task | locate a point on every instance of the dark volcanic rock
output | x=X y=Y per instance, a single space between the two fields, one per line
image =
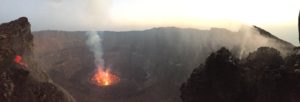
x=264 y=76
x=219 y=80
x=20 y=82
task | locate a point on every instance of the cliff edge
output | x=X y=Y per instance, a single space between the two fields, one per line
x=19 y=78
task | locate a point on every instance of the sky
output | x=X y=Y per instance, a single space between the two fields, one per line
x=276 y=16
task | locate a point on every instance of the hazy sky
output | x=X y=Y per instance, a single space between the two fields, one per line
x=277 y=16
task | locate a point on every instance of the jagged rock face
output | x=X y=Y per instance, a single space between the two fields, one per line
x=261 y=77
x=14 y=39
x=16 y=35
x=17 y=82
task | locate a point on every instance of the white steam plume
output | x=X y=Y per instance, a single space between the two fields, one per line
x=95 y=43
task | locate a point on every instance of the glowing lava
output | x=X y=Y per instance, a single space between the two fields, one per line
x=19 y=60
x=104 y=77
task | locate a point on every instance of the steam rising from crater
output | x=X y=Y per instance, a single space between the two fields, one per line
x=102 y=76
x=94 y=42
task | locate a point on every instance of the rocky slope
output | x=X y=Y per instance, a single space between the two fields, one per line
x=152 y=64
x=20 y=78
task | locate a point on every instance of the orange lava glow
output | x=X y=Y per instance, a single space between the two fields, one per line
x=19 y=60
x=104 y=78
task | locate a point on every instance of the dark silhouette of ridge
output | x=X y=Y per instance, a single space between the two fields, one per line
x=269 y=35
x=299 y=25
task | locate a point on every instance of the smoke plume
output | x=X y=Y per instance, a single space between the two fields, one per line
x=94 y=42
